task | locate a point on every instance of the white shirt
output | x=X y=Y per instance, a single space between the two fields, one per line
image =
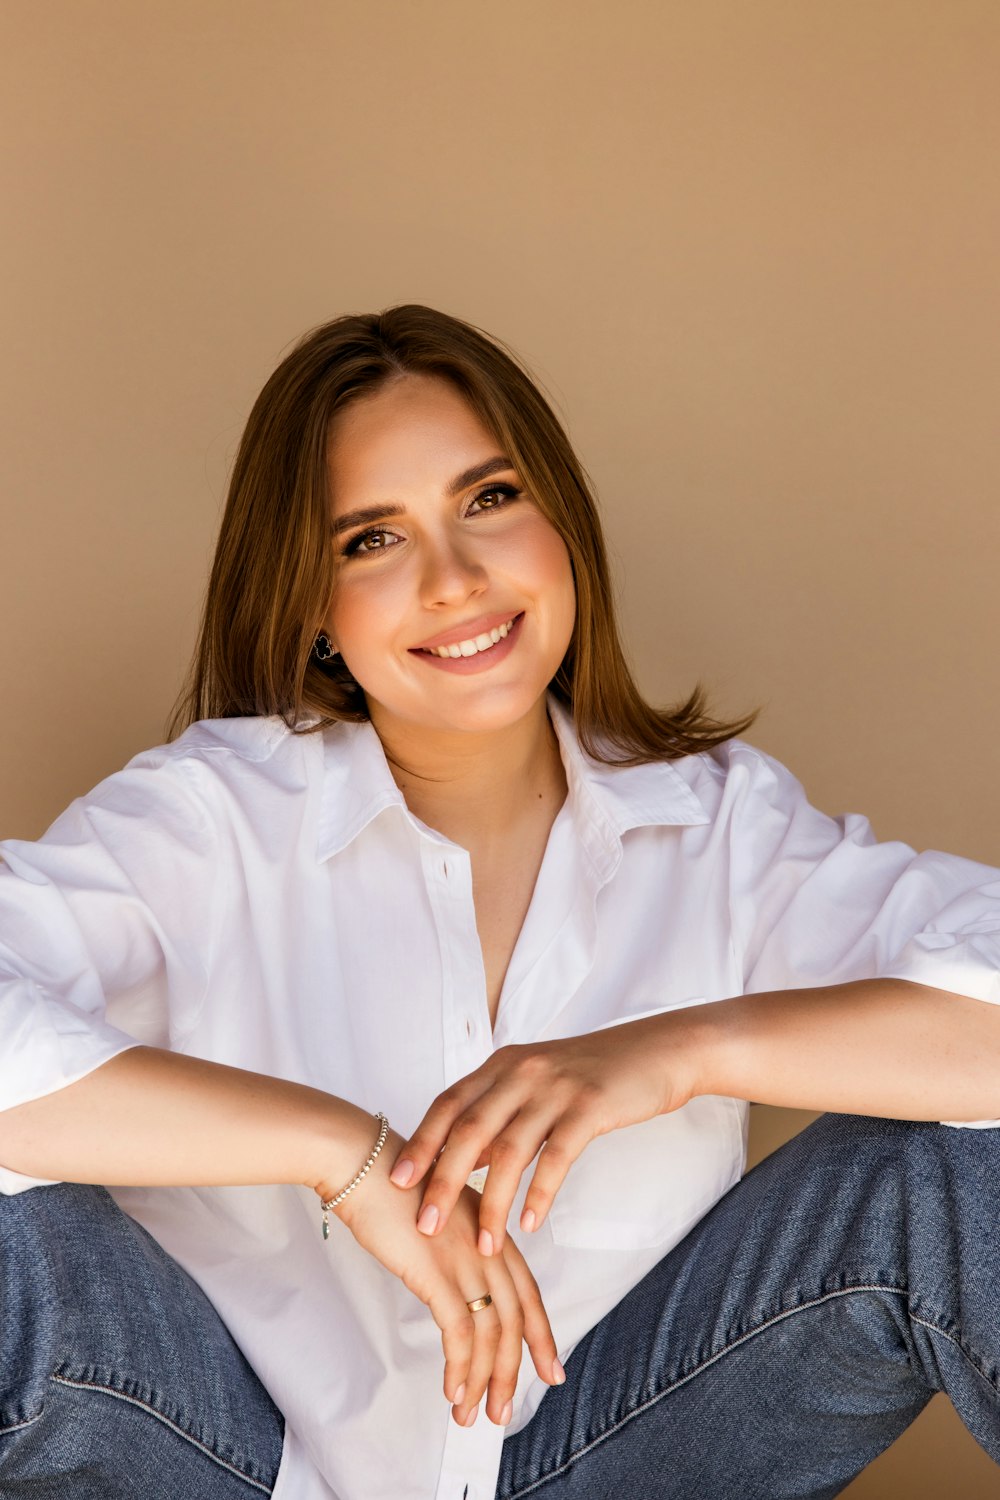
x=267 y=900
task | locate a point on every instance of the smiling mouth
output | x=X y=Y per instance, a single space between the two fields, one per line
x=475 y=645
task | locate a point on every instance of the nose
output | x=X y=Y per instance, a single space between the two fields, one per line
x=452 y=573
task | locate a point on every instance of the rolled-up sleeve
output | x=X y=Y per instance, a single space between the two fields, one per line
x=818 y=900
x=106 y=924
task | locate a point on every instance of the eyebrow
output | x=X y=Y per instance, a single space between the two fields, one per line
x=371 y=513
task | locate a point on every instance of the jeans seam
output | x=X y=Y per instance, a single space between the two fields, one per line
x=969 y=1358
x=107 y=1390
x=713 y=1359
x=16 y=1426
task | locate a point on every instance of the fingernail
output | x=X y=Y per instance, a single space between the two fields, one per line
x=558 y=1373
x=402 y=1172
x=485 y=1242
x=473 y=1414
x=528 y=1220
x=427 y=1222
x=506 y=1414
x=459 y=1395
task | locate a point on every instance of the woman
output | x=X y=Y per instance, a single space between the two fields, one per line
x=423 y=887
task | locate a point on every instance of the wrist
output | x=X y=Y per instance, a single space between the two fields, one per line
x=376 y=1191
x=366 y=1178
x=345 y=1192
x=341 y=1140
x=694 y=1050
x=717 y=1032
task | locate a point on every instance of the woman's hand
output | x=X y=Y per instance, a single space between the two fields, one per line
x=559 y=1095
x=482 y=1349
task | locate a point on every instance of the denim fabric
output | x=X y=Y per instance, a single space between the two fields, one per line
x=117 y=1376
x=794 y=1333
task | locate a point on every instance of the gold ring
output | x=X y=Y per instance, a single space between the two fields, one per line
x=478 y=1303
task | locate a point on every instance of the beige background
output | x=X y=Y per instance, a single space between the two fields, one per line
x=750 y=247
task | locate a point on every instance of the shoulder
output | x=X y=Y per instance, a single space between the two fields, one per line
x=702 y=788
x=735 y=777
x=212 y=763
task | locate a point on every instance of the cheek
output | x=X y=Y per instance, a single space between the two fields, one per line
x=363 y=612
x=541 y=558
x=554 y=575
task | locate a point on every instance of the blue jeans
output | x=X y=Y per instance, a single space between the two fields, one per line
x=118 y=1379
x=793 y=1334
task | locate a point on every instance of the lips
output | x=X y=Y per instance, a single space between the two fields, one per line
x=468 y=639
x=466 y=657
x=487 y=641
x=484 y=625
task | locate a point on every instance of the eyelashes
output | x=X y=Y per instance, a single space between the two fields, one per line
x=381 y=539
x=507 y=491
x=357 y=544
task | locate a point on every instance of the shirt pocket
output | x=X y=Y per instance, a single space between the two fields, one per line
x=647 y=1184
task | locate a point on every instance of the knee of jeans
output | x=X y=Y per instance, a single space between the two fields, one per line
x=875 y=1137
x=67 y=1215
x=939 y=1152
x=857 y=1139
x=32 y=1224
x=949 y=1178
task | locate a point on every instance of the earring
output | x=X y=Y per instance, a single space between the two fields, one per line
x=323 y=648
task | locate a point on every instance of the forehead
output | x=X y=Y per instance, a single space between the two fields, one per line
x=417 y=432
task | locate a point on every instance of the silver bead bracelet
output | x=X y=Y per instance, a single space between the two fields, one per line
x=339 y=1197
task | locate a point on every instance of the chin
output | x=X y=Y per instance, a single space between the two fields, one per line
x=485 y=713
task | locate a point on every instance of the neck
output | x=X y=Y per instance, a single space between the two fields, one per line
x=477 y=788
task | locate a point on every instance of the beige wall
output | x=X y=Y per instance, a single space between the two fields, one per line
x=750 y=246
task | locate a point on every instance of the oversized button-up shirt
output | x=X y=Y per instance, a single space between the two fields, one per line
x=267 y=900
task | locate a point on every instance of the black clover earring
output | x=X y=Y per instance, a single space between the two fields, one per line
x=323 y=648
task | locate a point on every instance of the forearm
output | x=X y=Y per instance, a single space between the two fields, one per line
x=879 y=1047
x=155 y=1118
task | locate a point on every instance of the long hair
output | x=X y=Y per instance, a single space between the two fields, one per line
x=272 y=577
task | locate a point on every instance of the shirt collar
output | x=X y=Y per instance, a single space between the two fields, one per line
x=622 y=797
x=357 y=785
x=607 y=800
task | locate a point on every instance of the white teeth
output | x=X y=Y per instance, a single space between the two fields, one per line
x=474 y=645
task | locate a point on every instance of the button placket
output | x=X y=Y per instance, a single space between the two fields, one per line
x=449 y=887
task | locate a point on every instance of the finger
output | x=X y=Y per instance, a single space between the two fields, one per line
x=419 y=1153
x=474 y=1129
x=486 y=1331
x=454 y=1319
x=561 y=1150
x=538 y=1333
x=426 y=1143
x=507 y=1359
x=513 y=1151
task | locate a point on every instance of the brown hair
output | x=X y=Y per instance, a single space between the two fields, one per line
x=272 y=577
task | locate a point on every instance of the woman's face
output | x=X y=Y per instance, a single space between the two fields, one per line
x=453 y=600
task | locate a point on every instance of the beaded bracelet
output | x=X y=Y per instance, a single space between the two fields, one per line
x=339 y=1197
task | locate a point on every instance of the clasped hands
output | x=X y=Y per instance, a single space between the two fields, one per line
x=449 y=1246
x=546 y=1099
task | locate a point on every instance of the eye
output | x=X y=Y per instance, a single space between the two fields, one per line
x=367 y=542
x=492 y=499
